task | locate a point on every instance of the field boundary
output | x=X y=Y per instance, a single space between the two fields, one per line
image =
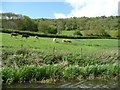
x=53 y=35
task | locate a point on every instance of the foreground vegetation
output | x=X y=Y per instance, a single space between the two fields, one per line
x=42 y=60
x=57 y=72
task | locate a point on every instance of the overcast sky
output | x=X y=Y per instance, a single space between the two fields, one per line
x=61 y=8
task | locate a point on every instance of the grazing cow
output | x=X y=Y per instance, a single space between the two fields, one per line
x=54 y=40
x=14 y=34
x=36 y=37
x=25 y=35
x=66 y=41
x=69 y=41
x=63 y=40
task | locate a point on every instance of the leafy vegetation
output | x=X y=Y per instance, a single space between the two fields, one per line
x=96 y=26
x=65 y=34
x=77 y=33
x=33 y=73
x=44 y=60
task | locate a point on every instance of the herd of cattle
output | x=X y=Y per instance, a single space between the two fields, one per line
x=54 y=39
x=23 y=35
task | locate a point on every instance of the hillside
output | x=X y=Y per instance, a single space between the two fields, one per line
x=82 y=26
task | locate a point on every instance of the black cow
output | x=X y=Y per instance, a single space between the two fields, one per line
x=25 y=35
x=14 y=34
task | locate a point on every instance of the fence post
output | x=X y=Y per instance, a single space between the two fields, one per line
x=81 y=52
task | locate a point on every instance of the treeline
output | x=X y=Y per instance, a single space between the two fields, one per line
x=29 y=33
x=17 y=21
x=83 y=23
x=95 y=26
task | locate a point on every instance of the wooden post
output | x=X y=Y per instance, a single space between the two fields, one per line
x=53 y=56
x=81 y=52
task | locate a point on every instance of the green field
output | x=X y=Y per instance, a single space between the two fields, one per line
x=47 y=44
x=69 y=33
x=41 y=59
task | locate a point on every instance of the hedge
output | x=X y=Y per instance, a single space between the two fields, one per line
x=53 y=35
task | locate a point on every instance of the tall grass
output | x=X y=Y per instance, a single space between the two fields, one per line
x=57 y=72
x=27 y=65
x=25 y=56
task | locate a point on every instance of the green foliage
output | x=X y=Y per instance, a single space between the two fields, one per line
x=46 y=26
x=33 y=73
x=9 y=24
x=19 y=22
x=30 y=73
x=49 y=35
x=116 y=33
x=72 y=71
x=99 y=33
x=77 y=33
x=52 y=29
x=43 y=27
x=46 y=44
x=97 y=25
x=22 y=51
x=28 y=24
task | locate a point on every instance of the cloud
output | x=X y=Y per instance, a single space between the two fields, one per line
x=91 y=8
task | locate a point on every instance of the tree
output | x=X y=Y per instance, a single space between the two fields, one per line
x=28 y=24
x=116 y=33
x=43 y=27
x=60 y=27
x=69 y=25
x=52 y=29
x=12 y=25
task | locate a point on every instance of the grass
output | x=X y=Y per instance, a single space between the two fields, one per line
x=57 y=72
x=46 y=44
x=69 y=33
x=27 y=60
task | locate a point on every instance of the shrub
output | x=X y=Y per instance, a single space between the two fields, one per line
x=52 y=29
x=115 y=34
x=22 y=51
x=71 y=71
x=77 y=33
x=87 y=35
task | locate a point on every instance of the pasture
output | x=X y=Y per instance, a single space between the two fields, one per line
x=31 y=59
x=46 y=44
x=68 y=33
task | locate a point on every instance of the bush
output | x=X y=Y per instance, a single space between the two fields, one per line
x=115 y=34
x=77 y=33
x=98 y=33
x=52 y=29
x=86 y=34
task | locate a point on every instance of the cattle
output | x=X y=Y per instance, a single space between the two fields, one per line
x=14 y=34
x=25 y=35
x=66 y=41
x=36 y=37
x=54 y=40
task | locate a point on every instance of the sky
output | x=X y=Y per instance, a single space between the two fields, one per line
x=61 y=8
